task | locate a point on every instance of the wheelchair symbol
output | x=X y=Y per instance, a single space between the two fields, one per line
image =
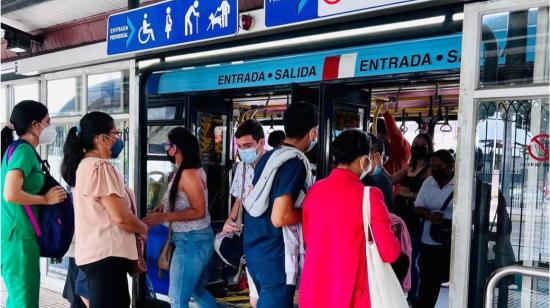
x=145 y=31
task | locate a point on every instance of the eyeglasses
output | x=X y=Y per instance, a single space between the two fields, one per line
x=167 y=145
x=117 y=133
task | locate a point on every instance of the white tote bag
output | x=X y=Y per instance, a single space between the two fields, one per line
x=384 y=287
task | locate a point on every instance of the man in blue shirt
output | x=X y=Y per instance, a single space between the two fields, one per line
x=282 y=181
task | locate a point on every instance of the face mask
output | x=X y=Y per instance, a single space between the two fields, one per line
x=377 y=171
x=171 y=159
x=362 y=164
x=439 y=175
x=48 y=134
x=117 y=148
x=312 y=145
x=419 y=152
x=248 y=155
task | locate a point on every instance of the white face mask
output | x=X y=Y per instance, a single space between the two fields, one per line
x=362 y=164
x=48 y=134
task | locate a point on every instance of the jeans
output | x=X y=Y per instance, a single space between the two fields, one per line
x=187 y=279
x=108 y=282
x=70 y=291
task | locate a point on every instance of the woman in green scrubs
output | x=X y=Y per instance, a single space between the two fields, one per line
x=22 y=179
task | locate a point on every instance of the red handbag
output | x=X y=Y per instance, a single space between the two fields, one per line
x=138 y=266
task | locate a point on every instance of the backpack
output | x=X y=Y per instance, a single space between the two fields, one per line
x=55 y=226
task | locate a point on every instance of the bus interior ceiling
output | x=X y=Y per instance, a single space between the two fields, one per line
x=427 y=107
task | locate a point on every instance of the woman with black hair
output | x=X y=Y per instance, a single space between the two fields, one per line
x=408 y=181
x=22 y=180
x=105 y=226
x=185 y=208
x=335 y=269
x=434 y=204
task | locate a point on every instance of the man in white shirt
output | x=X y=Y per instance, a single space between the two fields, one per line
x=251 y=146
x=433 y=204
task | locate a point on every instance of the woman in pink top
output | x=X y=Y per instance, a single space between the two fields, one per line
x=105 y=226
x=335 y=269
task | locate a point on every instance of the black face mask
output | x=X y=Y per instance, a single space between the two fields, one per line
x=171 y=159
x=439 y=175
x=419 y=152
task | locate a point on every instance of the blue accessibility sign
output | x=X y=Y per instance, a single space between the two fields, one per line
x=171 y=23
x=285 y=12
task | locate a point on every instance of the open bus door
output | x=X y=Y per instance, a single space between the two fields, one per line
x=341 y=107
x=209 y=118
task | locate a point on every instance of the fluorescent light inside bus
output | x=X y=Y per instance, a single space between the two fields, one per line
x=359 y=32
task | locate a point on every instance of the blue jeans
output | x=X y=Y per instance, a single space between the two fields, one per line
x=187 y=279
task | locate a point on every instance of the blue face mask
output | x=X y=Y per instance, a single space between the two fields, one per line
x=312 y=145
x=117 y=148
x=248 y=155
x=377 y=170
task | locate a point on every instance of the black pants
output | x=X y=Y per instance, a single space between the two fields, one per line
x=434 y=269
x=108 y=283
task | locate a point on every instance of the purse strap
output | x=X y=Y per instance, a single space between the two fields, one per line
x=366 y=215
x=447 y=202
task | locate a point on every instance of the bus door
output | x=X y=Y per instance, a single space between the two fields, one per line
x=341 y=107
x=209 y=118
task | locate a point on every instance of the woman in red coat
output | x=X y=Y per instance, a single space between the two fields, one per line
x=335 y=269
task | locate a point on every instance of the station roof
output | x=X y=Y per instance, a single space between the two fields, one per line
x=38 y=15
x=68 y=23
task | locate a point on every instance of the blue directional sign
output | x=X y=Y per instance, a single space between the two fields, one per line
x=171 y=23
x=285 y=12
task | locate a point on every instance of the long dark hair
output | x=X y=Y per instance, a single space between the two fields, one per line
x=24 y=114
x=188 y=145
x=430 y=144
x=81 y=139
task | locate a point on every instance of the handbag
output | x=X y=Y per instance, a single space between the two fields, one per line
x=441 y=232
x=229 y=246
x=167 y=250
x=138 y=266
x=165 y=257
x=384 y=287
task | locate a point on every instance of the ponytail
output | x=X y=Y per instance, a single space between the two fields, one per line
x=81 y=139
x=174 y=189
x=7 y=138
x=188 y=145
x=73 y=153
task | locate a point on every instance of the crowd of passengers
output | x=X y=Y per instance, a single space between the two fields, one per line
x=298 y=235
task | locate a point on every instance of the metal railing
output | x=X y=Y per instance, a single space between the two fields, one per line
x=511 y=270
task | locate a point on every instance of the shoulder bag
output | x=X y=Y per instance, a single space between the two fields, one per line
x=138 y=266
x=441 y=232
x=384 y=287
x=54 y=227
x=165 y=257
